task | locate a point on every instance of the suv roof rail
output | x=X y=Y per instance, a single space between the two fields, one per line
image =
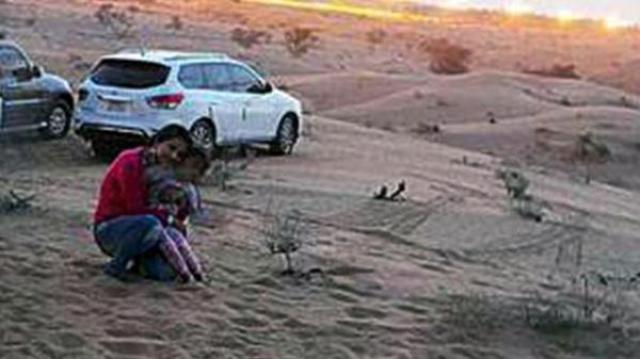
x=196 y=55
x=129 y=50
x=171 y=55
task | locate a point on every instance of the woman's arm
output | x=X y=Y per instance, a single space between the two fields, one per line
x=133 y=187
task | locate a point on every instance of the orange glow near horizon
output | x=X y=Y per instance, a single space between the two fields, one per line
x=614 y=23
x=566 y=16
x=343 y=7
x=385 y=11
x=518 y=8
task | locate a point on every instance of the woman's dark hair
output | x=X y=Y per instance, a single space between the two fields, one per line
x=169 y=133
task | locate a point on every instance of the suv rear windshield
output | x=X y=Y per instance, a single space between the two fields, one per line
x=129 y=74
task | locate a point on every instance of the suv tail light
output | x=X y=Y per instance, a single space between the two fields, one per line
x=83 y=94
x=166 y=102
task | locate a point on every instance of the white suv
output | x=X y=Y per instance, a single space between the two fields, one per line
x=221 y=101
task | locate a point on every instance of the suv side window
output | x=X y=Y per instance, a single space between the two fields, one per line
x=218 y=78
x=192 y=76
x=10 y=59
x=242 y=79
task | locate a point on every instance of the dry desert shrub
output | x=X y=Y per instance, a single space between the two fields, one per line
x=376 y=37
x=628 y=103
x=300 y=40
x=176 y=23
x=423 y=128
x=247 y=38
x=119 y=22
x=563 y=71
x=521 y=202
x=589 y=150
x=446 y=58
x=225 y=169
x=284 y=234
x=14 y=202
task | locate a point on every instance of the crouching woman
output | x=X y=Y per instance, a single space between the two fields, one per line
x=125 y=228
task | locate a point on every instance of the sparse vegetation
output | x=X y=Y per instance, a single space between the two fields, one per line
x=628 y=103
x=30 y=22
x=594 y=299
x=423 y=128
x=283 y=235
x=565 y=101
x=446 y=58
x=522 y=203
x=492 y=117
x=300 y=40
x=119 y=22
x=590 y=150
x=376 y=37
x=14 y=202
x=225 y=170
x=567 y=71
x=175 y=24
x=248 y=38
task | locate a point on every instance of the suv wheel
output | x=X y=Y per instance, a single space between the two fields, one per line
x=58 y=121
x=203 y=135
x=285 y=137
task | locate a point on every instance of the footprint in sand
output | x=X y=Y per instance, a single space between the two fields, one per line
x=249 y=322
x=358 y=312
x=148 y=348
x=69 y=340
x=133 y=332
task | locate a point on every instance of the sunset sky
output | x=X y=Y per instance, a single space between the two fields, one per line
x=627 y=10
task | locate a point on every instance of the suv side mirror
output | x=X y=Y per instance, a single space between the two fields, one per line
x=261 y=88
x=268 y=87
x=37 y=71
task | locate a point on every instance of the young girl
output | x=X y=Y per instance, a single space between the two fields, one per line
x=174 y=190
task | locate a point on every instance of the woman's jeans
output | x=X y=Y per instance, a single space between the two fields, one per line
x=134 y=238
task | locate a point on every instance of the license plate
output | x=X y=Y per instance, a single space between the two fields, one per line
x=113 y=106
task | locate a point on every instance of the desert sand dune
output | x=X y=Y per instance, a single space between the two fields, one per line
x=391 y=267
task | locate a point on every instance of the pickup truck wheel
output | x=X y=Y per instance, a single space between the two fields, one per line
x=58 y=121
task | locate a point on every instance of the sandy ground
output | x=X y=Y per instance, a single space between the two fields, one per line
x=452 y=272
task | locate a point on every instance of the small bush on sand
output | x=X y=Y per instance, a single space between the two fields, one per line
x=521 y=202
x=247 y=38
x=225 y=169
x=284 y=234
x=446 y=58
x=300 y=40
x=119 y=22
x=566 y=71
x=14 y=202
x=423 y=128
x=176 y=23
x=590 y=150
x=628 y=103
x=376 y=37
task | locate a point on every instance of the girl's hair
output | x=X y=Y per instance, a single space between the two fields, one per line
x=169 y=133
x=200 y=154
